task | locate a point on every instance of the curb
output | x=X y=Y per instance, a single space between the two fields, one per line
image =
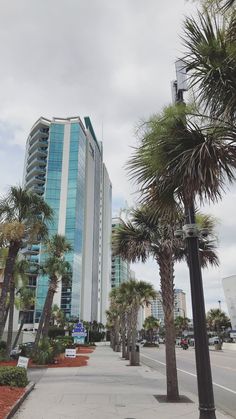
x=19 y=402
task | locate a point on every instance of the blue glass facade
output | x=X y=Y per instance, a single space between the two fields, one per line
x=75 y=207
x=75 y=216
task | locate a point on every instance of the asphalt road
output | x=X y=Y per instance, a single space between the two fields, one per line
x=223 y=365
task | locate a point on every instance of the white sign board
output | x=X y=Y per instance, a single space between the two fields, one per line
x=70 y=353
x=22 y=362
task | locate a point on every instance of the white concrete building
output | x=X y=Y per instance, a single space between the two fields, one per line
x=229 y=287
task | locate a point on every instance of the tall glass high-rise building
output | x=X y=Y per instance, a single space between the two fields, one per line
x=120 y=268
x=64 y=164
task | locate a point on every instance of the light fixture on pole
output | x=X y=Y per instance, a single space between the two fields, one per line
x=191 y=234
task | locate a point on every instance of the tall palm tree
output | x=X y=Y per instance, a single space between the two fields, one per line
x=23 y=216
x=143 y=236
x=179 y=161
x=57 y=269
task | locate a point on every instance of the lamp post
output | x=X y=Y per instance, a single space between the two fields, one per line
x=219 y=301
x=191 y=235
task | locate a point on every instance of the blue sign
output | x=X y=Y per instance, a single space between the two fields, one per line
x=79 y=333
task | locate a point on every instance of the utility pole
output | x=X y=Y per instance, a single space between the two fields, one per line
x=191 y=235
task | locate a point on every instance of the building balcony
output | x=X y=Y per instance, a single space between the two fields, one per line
x=35 y=180
x=36 y=171
x=38 y=161
x=39 y=133
x=38 y=152
x=38 y=143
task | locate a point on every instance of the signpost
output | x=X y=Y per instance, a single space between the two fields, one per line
x=22 y=362
x=79 y=333
x=70 y=353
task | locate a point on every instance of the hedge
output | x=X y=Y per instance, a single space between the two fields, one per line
x=13 y=376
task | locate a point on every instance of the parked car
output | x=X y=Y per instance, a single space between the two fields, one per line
x=214 y=340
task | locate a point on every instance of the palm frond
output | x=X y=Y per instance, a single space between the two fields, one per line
x=211 y=61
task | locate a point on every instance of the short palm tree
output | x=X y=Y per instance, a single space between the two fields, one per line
x=23 y=217
x=119 y=296
x=24 y=301
x=151 y=324
x=17 y=284
x=57 y=316
x=56 y=269
x=138 y=294
x=143 y=236
x=181 y=324
x=217 y=319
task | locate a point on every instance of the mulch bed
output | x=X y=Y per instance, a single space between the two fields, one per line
x=61 y=361
x=8 y=397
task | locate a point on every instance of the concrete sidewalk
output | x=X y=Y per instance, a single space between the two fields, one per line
x=105 y=389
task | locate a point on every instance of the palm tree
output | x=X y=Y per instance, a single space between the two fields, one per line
x=151 y=324
x=143 y=236
x=138 y=294
x=118 y=301
x=115 y=318
x=57 y=269
x=210 y=59
x=57 y=316
x=217 y=319
x=179 y=161
x=181 y=324
x=23 y=216
x=24 y=301
x=18 y=280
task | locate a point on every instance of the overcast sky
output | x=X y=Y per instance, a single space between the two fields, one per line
x=110 y=60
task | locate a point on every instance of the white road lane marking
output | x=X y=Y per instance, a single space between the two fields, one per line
x=190 y=373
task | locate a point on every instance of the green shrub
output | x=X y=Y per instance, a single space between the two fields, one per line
x=65 y=341
x=96 y=336
x=3 y=356
x=13 y=376
x=55 y=331
x=44 y=354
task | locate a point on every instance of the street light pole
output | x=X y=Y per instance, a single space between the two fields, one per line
x=203 y=366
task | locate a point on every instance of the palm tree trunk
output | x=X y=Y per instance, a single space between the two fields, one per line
x=128 y=334
x=123 y=333
x=10 y=318
x=48 y=312
x=117 y=337
x=166 y=267
x=19 y=331
x=6 y=315
x=41 y=322
x=133 y=356
x=8 y=272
